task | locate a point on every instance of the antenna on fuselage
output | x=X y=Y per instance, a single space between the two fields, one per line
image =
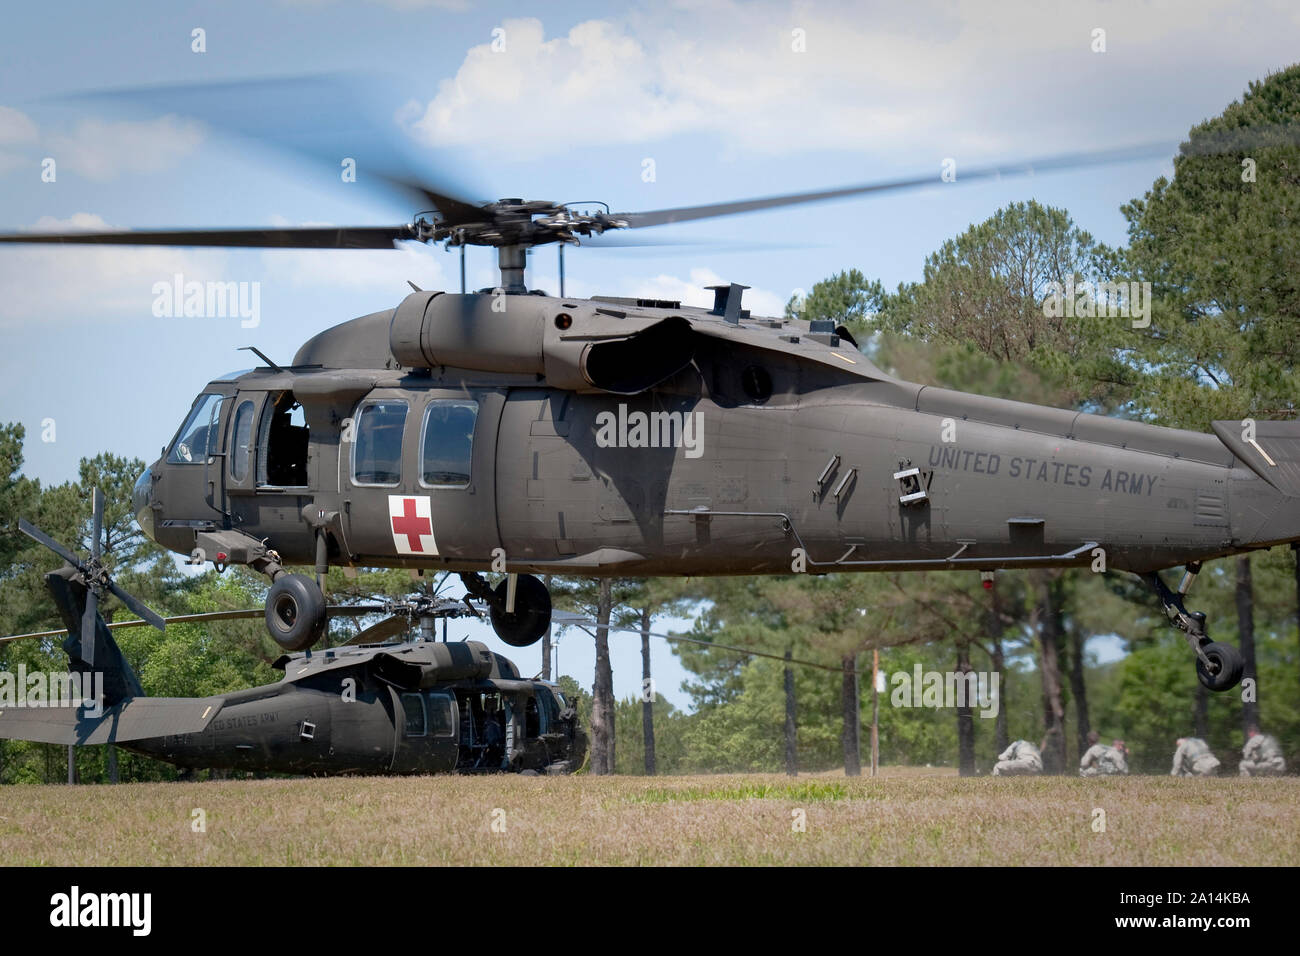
x=260 y=354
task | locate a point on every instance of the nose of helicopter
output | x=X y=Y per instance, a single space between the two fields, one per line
x=140 y=502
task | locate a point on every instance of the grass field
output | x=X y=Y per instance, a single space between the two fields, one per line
x=905 y=817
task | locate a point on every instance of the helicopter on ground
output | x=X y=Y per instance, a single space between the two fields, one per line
x=513 y=432
x=370 y=706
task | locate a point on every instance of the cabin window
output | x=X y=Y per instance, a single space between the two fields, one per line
x=377 y=450
x=242 y=441
x=200 y=436
x=282 y=443
x=447 y=443
x=413 y=709
x=442 y=717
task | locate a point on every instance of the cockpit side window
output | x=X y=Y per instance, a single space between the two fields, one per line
x=241 y=441
x=200 y=436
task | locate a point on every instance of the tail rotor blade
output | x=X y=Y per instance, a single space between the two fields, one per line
x=88 y=620
x=39 y=536
x=138 y=607
x=97 y=524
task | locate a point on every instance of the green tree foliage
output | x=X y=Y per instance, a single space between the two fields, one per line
x=1218 y=243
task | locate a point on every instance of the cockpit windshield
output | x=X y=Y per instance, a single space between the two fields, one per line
x=200 y=436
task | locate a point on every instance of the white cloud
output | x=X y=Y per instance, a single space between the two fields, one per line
x=694 y=291
x=101 y=150
x=16 y=129
x=948 y=77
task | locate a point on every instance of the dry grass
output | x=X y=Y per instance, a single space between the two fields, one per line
x=903 y=817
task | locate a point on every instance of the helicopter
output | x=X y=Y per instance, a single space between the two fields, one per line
x=369 y=706
x=512 y=432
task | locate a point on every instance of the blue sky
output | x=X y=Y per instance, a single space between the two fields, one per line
x=715 y=93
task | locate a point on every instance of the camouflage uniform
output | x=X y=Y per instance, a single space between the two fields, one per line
x=1193 y=759
x=1102 y=760
x=1262 y=757
x=1021 y=757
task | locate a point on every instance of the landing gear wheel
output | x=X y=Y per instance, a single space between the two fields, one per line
x=532 y=615
x=1227 y=666
x=295 y=612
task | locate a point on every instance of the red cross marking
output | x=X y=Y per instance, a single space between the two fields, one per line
x=411 y=525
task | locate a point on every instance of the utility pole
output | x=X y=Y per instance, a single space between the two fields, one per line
x=875 y=710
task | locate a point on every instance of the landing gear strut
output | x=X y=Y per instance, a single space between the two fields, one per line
x=1218 y=666
x=519 y=618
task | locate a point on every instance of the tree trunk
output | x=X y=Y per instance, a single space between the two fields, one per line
x=1078 y=689
x=965 y=715
x=1246 y=636
x=791 y=727
x=602 y=691
x=546 y=641
x=647 y=706
x=995 y=631
x=852 y=720
x=1295 y=547
x=1201 y=716
x=1049 y=666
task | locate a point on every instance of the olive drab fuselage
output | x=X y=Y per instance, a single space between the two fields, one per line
x=610 y=436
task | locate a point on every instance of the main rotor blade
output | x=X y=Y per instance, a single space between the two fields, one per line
x=138 y=607
x=334 y=610
x=304 y=237
x=1047 y=164
x=96 y=522
x=36 y=534
x=379 y=633
x=324 y=118
x=88 y=617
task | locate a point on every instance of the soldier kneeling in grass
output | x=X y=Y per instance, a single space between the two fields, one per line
x=1261 y=757
x=1193 y=759
x=1020 y=758
x=1101 y=760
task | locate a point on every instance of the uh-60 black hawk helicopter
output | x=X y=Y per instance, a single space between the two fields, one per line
x=370 y=706
x=511 y=431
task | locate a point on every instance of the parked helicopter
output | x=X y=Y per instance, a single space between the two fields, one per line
x=516 y=432
x=372 y=706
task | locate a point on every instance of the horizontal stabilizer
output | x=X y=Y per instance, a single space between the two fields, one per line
x=139 y=718
x=1273 y=452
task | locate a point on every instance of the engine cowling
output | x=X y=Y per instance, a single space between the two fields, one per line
x=579 y=348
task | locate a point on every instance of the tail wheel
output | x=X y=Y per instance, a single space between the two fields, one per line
x=532 y=614
x=1226 y=666
x=295 y=612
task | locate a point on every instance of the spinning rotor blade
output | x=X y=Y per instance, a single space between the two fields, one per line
x=322 y=118
x=636 y=220
x=306 y=237
x=379 y=633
